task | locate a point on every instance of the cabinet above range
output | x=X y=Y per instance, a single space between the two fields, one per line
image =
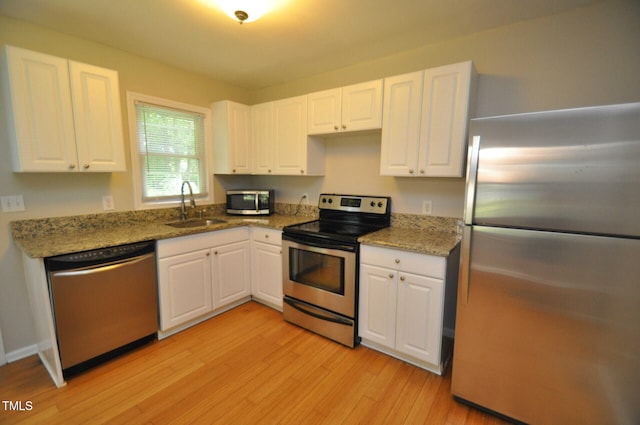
x=62 y=115
x=353 y=108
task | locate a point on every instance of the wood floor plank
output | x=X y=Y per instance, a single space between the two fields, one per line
x=245 y=366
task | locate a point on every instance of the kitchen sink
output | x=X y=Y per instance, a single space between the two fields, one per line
x=196 y=222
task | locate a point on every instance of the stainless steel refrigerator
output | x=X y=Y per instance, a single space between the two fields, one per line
x=548 y=314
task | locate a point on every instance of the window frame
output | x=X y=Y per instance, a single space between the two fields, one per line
x=132 y=98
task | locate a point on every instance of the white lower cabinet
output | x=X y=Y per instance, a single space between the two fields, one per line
x=201 y=275
x=231 y=273
x=185 y=287
x=266 y=259
x=402 y=305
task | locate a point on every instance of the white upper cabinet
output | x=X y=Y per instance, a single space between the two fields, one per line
x=268 y=138
x=62 y=115
x=352 y=108
x=401 y=124
x=231 y=137
x=262 y=137
x=448 y=102
x=425 y=119
x=294 y=153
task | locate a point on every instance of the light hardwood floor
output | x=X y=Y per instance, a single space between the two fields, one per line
x=246 y=366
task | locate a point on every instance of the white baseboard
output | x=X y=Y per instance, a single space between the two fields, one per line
x=21 y=353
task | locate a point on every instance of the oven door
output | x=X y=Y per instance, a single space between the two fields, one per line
x=320 y=275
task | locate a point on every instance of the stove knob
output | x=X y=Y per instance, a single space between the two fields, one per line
x=330 y=200
x=373 y=204
x=380 y=204
x=324 y=200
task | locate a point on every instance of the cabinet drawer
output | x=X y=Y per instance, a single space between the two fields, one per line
x=184 y=244
x=412 y=262
x=270 y=236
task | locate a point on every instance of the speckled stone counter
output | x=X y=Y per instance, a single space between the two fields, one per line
x=417 y=233
x=40 y=238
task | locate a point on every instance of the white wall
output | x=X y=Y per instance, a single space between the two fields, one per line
x=585 y=57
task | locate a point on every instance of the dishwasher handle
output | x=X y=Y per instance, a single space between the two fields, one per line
x=98 y=268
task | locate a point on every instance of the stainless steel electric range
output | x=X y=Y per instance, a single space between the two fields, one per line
x=320 y=264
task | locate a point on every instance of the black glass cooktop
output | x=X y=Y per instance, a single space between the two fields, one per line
x=349 y=232
x=345 y=218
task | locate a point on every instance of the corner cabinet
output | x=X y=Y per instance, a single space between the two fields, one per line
x=293 y=152
x=407 y=305
x=231 y=137
x=425 y=119
x=352 y=108
x=61 y=115
x=266 y=258
x=268 y=138
x=202 y=275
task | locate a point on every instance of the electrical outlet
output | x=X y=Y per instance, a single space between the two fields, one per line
x=12 y=203
x=426 y=207
x=107 y=202
x=305 y=198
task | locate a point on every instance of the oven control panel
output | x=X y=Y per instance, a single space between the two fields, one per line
x=354 y=203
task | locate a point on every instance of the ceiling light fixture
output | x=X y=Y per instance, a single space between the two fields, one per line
x=241 y=15
x=245 y=10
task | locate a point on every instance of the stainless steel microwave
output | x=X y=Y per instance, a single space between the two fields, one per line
x=250 y=202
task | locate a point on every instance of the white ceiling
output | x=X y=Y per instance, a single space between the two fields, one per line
x=300 y=38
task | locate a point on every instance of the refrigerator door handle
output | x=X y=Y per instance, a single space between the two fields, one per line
x=465 y=264
x=472 y=174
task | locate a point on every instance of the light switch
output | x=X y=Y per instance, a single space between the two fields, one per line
x=107 y=202
x=12 y=203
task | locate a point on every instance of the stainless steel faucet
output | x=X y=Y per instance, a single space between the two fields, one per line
x=192 y=201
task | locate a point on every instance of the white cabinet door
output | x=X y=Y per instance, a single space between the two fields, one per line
x=185 y=288
x=262 y=137
x=352 y=108
x=232 y=137
x=325 y=111
x=447 y=101
x=290 y=136
x=419 y=315
x=39 y=112
x=362 y=106
x=377 y=305
x=267 y=273
x=401 y=124
x=231 y=273
x=425 y=118
x=98 y=121
x=62 y=115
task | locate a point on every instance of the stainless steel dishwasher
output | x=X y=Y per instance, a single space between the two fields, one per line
x=105 y=301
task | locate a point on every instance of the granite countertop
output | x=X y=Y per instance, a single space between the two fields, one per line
x=425 y=241
x=40 y=238
x=46 y=244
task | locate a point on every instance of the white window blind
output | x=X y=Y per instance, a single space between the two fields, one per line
x=171 y=150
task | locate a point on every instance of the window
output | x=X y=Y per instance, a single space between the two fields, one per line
x=168 y=146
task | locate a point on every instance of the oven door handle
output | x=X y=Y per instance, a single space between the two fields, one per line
x=300 y=307
x=322 y=246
